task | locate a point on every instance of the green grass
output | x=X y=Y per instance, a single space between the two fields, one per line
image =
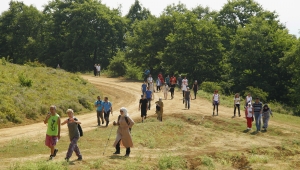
x=26 y=93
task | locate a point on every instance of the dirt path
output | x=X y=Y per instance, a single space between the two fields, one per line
x=127 y=94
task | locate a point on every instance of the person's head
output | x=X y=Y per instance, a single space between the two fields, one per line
x=160 y=99
x=148 y=88
x=216 y=91
x=123 y=111
x=257 y=99
x=70 y=113
x=237 y=95
x=195 y=82
x=266 y=106
x=106 y=99
x=149 y=75
x=249 y=94
x=98 y=98
x=98 y=64
x=249 y=104
x=52 y=109
x=179 y=75
x=143 y=97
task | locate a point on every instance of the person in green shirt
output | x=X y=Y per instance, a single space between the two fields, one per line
x=53 y=130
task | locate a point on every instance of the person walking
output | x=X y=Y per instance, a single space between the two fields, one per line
x=195 y=88
x=99 y=106
x=248 y=99
x=216 y=102
x=236 y=104
x=167 y=80
x=159 y=109
x=158 y=84
x=179 y=80
x=173 y=84
x=144 y=87
x=95 y=70
x=165 y=90
x=143 y=107
x=107 y=110
x=161 y=78
x=74 y=135
x=257 y=107
x=249 y=116
x=183 y=86
x=146 y=74
x=53 y=131
x=266 y=113
x=187 y=97
x=149 y=96
x=149 y=79
x=123 y=137
x=98 y=69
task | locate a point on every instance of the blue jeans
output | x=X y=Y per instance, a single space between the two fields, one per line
x=257 y=116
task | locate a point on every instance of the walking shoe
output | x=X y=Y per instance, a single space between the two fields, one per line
x=213 y=114
x=126 y=155
x=55 y=151
x=217 y=114
x=51 y=157
x=239 y=115
x=67 y=159
x=117 y=152
x=102 y=122
x=79 y=158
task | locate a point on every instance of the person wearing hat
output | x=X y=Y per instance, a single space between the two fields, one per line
x=195 y=88
x=187 y=97
x=123 y=137
x=159 y=109
x=266 y=116
x=257 y=109
x=249 y=115
x=143 y=107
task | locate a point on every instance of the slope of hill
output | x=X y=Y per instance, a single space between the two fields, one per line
x=186 y=139
x=27 y=92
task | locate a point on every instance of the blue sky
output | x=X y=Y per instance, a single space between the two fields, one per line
x=286 y=9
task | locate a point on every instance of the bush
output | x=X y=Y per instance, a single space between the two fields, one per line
x=34 y=64
x=171 y=162
x=134 y=72
x=256 y=92
x=24 y=81
x=210 y=87
x=117 y=65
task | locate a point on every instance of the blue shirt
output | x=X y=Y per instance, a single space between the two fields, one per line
x=107 y=106
x=148 y=94
x=147 y=72
x=144 y=87
x=99 y=108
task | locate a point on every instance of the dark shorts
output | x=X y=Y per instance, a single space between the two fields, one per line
x=143 y=112
x=216 y=103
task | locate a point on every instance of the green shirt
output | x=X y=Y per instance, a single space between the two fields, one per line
x=52 y=129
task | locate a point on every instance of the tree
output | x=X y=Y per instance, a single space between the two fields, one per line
x=137 y=12
x=20 y=32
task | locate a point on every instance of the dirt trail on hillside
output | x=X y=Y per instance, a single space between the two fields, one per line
x=127 y=93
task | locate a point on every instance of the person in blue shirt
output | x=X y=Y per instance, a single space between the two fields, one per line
x=144 y=87
x=99 y=105
x=149 y=97
x=107 y=109
x=146 y=73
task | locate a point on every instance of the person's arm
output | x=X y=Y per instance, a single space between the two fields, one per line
x=58 y=123
x=64 y=122
x=219 y=99
x=47 y=118
x=140 y=105
x=271 y=112
x=111 y=111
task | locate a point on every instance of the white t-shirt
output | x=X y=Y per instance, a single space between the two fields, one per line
x=150 y=79
x=185 y=82
x=237 y=100
x=249 y=99
x=166 y=88
x=216 y=97
x=151 y=87
x=98 y=68
x=249 y=114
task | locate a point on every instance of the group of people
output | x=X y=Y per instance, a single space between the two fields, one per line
x=253 y=111
x=97 y=70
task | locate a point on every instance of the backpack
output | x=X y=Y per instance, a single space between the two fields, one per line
x=127 y=121
x=79 y=127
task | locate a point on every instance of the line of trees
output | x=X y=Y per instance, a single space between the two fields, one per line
x=242 y=46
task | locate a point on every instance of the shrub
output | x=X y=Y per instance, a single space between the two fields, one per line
x=256 y=92
x=35 y=64
x=24 y=81
x=117 y=65
x=210 y=87
x=133 y=72
x=171 y=162
x=85 y=103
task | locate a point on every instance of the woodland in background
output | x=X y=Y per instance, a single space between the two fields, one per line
x=241 y=48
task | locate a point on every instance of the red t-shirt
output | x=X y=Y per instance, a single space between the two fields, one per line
x=173 y=80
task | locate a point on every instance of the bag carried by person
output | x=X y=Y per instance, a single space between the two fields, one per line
x=126 y=119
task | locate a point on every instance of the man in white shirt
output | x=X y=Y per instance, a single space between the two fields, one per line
x=184 y=86
x=98 y=67
x=149 y=79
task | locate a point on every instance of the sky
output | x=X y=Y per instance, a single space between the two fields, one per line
x=286 y=9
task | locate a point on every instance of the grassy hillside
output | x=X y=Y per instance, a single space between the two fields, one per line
x=182 y=141
x=27 y=92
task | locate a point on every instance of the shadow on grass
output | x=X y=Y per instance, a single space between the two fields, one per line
x=117 y=157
